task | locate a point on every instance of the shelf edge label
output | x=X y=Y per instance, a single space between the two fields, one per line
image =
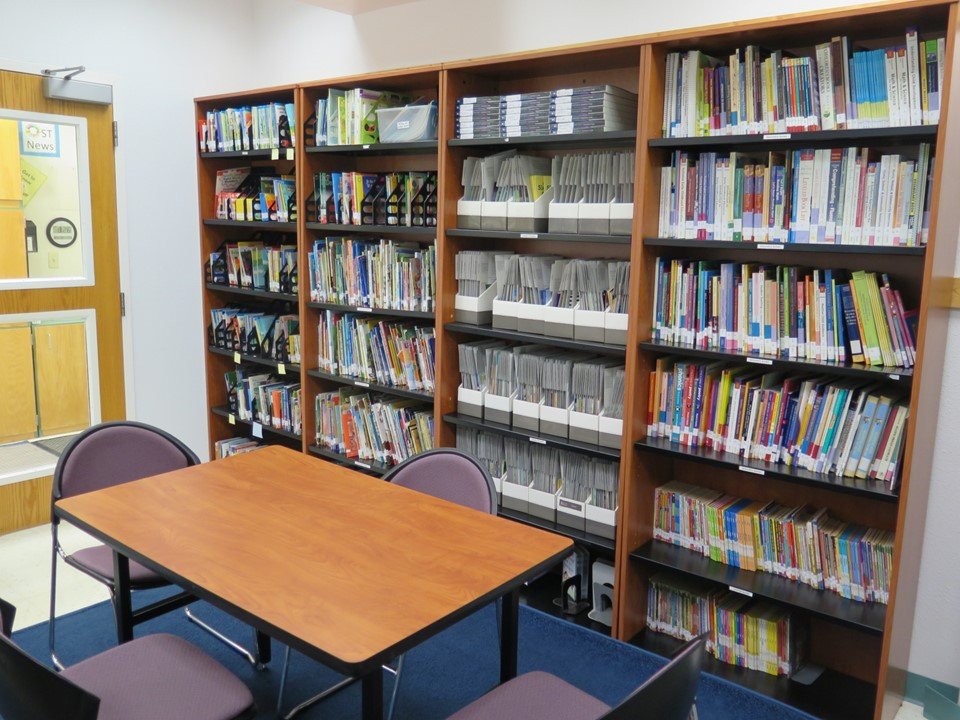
x=538 y=441
x=740 y=591
x=361 y=464
x=529 y=236
x=759 y=361
x=363 y=309
x=776 y=136
x=360 y=383
x=893 y=376
x=258 y=430
x=281 y=368
x=236 y=358
x=769 y=246
x=752 y=471
x=232 y=419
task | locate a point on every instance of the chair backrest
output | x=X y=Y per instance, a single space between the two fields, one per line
x=448 y=474
x=30 y=690
x=7 y=611
x=114 y=453
x=669 y=693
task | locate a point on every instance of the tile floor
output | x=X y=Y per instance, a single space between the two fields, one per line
x=25 y=581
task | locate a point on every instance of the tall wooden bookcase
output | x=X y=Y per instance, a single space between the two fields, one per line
x=864 y=648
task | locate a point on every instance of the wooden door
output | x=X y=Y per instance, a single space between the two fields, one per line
x=18 y=411
x=61 y=373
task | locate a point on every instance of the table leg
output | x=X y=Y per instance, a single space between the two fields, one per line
x=122 y=606
x=509 y=632
x=373 y=695
x=263 y=648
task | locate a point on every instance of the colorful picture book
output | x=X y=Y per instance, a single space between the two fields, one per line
x=373 y=428
x=798 y=543
x=373 y=274
x=834 y=196
x=847 y=427
x=783 y=311
x=740 y=630
x=400 y=199
x=276 y=337
x=256 y=127
x=758 y=91
x=395 y=354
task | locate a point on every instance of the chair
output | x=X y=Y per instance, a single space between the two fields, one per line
x=102 y=456
x=669 y=694
x=445 y=473
x=150 y=677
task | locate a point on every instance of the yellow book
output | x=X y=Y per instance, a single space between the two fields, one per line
x=883 y=327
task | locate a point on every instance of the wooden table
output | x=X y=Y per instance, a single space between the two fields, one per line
x=345 y=568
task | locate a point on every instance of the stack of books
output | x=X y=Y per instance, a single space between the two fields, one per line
x=741 y=631
x=373 y=274
x=783 y=312
x=849 y=428
x=798 y=543
x=233 y=446
x=265 y=398
x=400 y=199
x=565 y=111
x=395 y=354
x=257 y=127
x=254 y=195
x=255 y=265
x=755 y=91
x=372 y=428
x=834 y=196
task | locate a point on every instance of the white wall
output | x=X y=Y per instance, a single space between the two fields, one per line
x=162 y=54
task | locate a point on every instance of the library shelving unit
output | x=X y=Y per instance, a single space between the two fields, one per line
x=863 y=647
x=223 y=423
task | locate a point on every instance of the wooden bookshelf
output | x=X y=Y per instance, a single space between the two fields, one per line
x=864 y=648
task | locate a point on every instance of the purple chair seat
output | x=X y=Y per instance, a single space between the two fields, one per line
x=534 y=696
x=161 y=677
x=99 y=560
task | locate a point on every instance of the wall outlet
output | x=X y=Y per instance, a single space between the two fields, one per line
x=53 y=260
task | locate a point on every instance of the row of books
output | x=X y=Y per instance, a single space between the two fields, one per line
x=850 y=428
x=399 y=199
x=255 y=333
x=265 y=398
x=593 y=108
x=233 y=446
x=741 y=631
x=396 y=354
x=798 y=543
x=372 y=428
x=256 y=127
x=595 y=285
x=349 y=117
x=575 y=476
x=783 y=311
x=373 y=274
x=255 y=265
x=836 y=196
x=759 y=91
x=255 y=195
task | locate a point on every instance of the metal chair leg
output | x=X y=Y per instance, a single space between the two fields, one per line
x=236 y=647
x=396 y=688
x=51 y=626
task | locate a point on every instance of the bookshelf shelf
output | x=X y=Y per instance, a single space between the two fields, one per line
x=249 y=292
x=409 y=314
x=872 y=489
x=893 y=374
x=817 y=138
x=242 y=153
x=593 y=543
x=539 y=438
x=619 y=138
x=285 y=227
x=374 y=387
x=292 y=369
x=428 y=233
x=557 y=237
x=224 y=411
x=516 y=336
x=769 y=250
x=833 y=696
x=426 y=147
x=369 y=467
x=868 y=617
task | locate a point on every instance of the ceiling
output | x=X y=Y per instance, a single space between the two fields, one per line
x=357 y=7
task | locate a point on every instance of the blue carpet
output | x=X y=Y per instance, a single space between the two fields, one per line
x=441 y=676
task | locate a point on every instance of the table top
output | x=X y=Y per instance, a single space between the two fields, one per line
x=349 y=569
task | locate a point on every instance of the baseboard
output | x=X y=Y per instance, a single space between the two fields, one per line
x=933 y=693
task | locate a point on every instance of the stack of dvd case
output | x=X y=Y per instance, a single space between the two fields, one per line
x=596 y=108
x=478 y=117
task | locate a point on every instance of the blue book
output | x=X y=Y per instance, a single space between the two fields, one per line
x=874 y=435
x=850 y=323
x=860 y=439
